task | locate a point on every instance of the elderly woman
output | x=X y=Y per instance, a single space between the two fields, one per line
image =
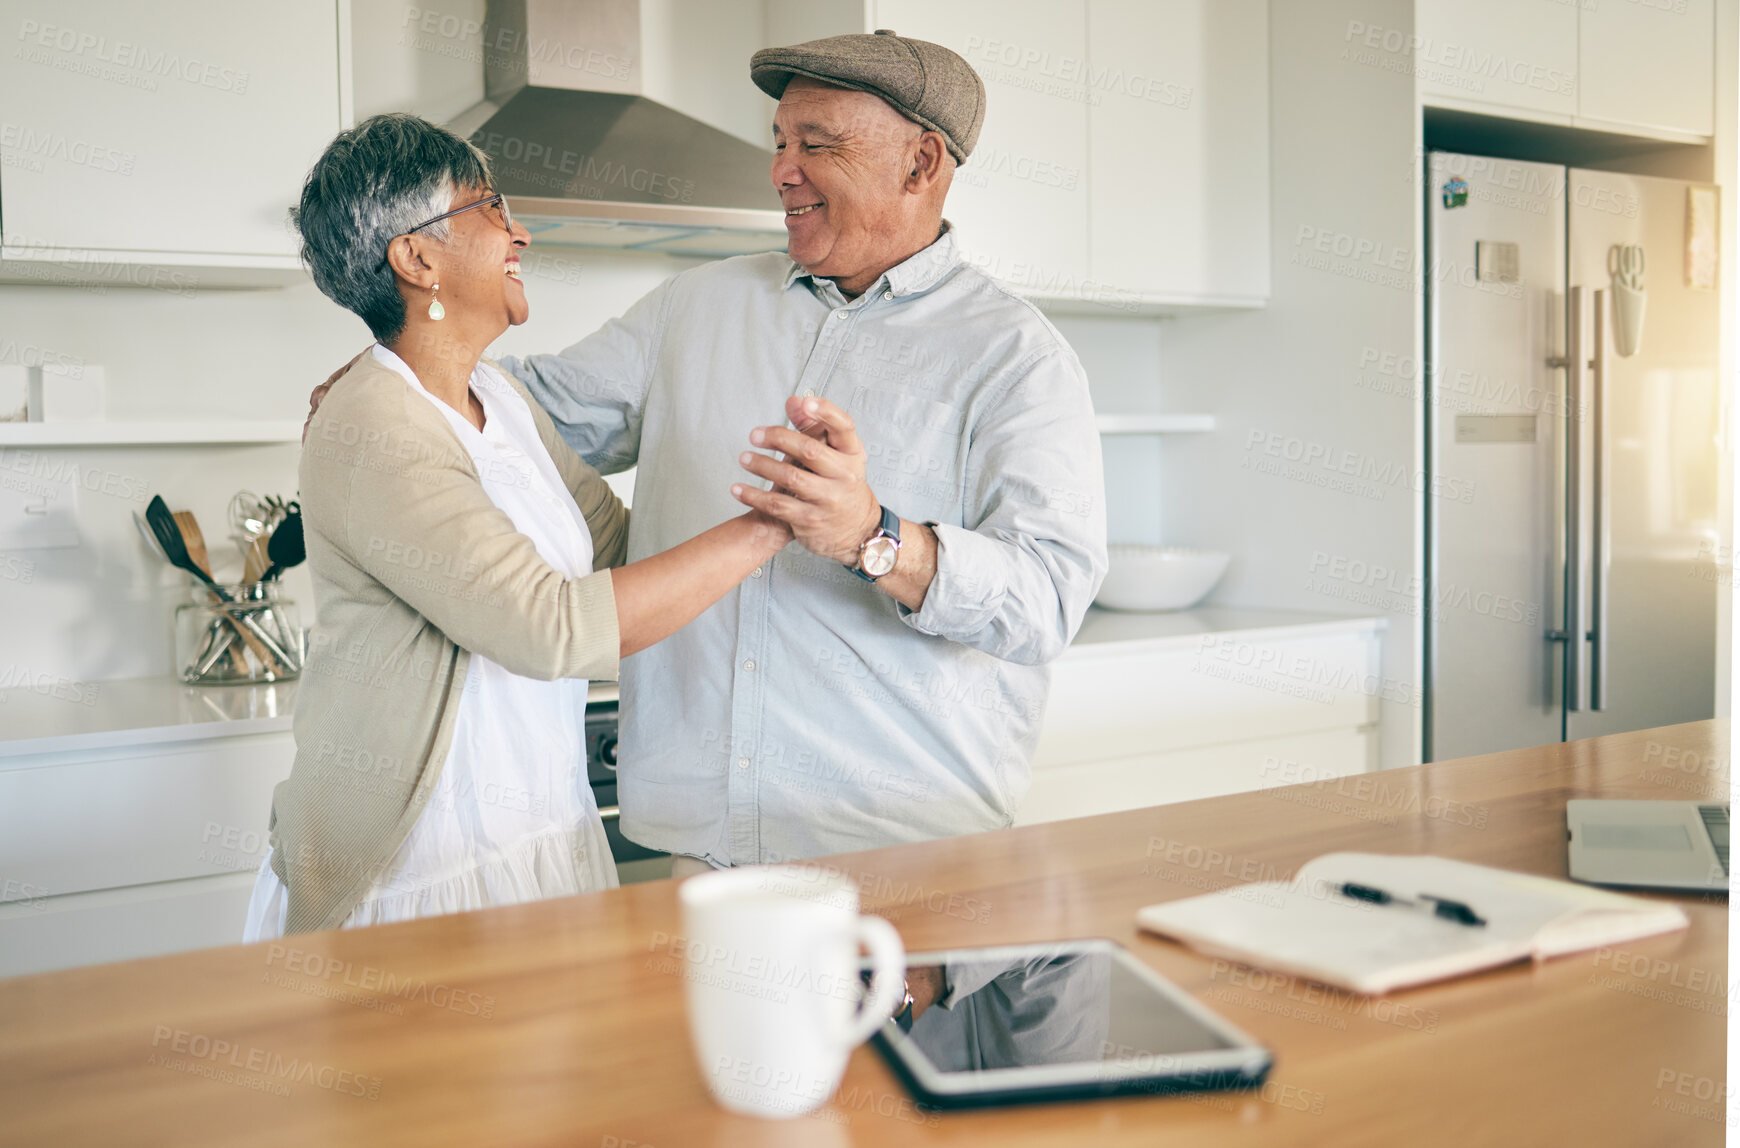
x=453 y=536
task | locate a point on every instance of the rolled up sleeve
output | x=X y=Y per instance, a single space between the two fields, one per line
x=1016 y=575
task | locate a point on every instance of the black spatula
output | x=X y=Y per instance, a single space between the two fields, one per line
x=287 y=547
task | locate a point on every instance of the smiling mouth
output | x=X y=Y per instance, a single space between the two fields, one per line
x=513 y=270
x=804 y=210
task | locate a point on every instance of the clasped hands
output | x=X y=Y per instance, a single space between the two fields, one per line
x=819 y=490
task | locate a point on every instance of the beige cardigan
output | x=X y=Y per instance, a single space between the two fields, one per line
x=414 y=567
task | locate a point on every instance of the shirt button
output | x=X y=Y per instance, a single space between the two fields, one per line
x=755 y=573
x=840 y=314
x=749 y=665
x=809 y=392
x=889 y=294
x=743 y=763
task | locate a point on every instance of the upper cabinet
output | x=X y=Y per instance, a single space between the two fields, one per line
x=1123 y=162
x=1179 y=139
x=139 y=137
x=1021 y=199
x=1644 y=67
x=1649 y=63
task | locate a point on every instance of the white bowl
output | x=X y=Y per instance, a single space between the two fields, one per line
x=1159 y=577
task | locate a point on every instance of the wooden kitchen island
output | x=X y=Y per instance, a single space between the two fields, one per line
x=562 y=1022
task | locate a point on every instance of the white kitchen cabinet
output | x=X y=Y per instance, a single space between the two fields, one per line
x=1649 y=64
x=1517 y=55
x=1021 y=200
x=1183 y=709
x=143 y=137
x=133 y=817
x=1123 y=163
x=1177 y=131
x=1642 y=67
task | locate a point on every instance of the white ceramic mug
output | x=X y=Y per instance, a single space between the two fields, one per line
x=776 y=1005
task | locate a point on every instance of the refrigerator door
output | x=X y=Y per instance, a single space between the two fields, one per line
x=1650 y=459
x=1494 y=413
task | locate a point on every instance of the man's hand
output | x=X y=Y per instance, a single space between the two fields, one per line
x=819 y=486
x=316 y=396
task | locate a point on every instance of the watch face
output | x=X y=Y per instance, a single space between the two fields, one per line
x=878 y=558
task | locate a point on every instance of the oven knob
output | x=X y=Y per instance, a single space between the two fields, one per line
x=607 y=752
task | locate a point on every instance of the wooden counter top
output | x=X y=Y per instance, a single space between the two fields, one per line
x=562 y=1022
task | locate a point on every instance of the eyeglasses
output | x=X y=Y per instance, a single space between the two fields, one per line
x=496 y=200
x=507 y=217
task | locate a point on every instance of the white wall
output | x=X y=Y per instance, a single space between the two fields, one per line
x=1287 y=377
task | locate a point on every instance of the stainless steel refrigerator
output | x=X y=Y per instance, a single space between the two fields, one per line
x=1572 y=451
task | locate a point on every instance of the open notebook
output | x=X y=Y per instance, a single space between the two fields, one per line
x=1311 y=928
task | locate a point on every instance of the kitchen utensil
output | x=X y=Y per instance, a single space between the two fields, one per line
x=168 y=534
x=256 y=561
x=194 y=539
x=150 y=538
x=781 y=1053
x=206 y=626
x=1159 y=577
x=1625 y=265
x=287 y=546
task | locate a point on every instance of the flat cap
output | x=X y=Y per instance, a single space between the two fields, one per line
x=925 y=82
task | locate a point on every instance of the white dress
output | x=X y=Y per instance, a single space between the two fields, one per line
x=512 y=818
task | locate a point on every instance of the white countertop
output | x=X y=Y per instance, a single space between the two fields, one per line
x=1186 y=627
x=144 y=711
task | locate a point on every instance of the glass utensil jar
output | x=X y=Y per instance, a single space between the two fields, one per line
x=254 y=637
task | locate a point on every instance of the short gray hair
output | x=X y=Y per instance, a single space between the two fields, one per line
x=374 y=182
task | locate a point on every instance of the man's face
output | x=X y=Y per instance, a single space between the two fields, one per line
x=840 y=164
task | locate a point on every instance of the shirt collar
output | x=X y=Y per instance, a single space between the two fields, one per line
x=919 y=272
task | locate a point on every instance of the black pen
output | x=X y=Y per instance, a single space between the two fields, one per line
x=1443 y=907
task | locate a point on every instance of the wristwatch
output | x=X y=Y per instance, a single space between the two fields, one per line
x=903 y=1017
x=876 y=557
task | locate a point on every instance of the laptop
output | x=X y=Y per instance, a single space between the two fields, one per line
x=1649 y=844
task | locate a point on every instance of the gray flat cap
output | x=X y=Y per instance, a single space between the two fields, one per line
x=925 y=82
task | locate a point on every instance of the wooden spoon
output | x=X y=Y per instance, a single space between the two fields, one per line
x=193 y=539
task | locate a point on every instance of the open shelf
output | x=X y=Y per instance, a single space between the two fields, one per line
x=150 y=433
x=1154 y=424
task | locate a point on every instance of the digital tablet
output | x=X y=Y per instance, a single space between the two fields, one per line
x=1058 y=1021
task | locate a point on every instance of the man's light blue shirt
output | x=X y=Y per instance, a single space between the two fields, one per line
x=807 y=712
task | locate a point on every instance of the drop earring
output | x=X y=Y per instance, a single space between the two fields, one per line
x=436 y=311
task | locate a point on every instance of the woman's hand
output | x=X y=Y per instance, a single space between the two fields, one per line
x=769 y=532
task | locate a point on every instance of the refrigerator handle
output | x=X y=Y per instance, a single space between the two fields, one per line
x=1572 y=634
x=1599 y=558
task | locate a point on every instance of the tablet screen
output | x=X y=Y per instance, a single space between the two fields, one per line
x=1086 y=1013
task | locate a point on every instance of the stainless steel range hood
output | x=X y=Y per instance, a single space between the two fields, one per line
x=589 y=160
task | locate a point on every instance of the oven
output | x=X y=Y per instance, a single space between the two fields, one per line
x=601 y=704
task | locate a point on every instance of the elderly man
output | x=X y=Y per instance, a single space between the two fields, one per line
x=885 y=681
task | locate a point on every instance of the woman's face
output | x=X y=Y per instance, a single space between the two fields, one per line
x=480 y=265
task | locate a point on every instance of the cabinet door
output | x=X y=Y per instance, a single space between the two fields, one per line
x=1021 y=199
x=1179 y=135
x=1514 y=53
x=1089 y=788
x=1649 y=63
x=140 y=127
